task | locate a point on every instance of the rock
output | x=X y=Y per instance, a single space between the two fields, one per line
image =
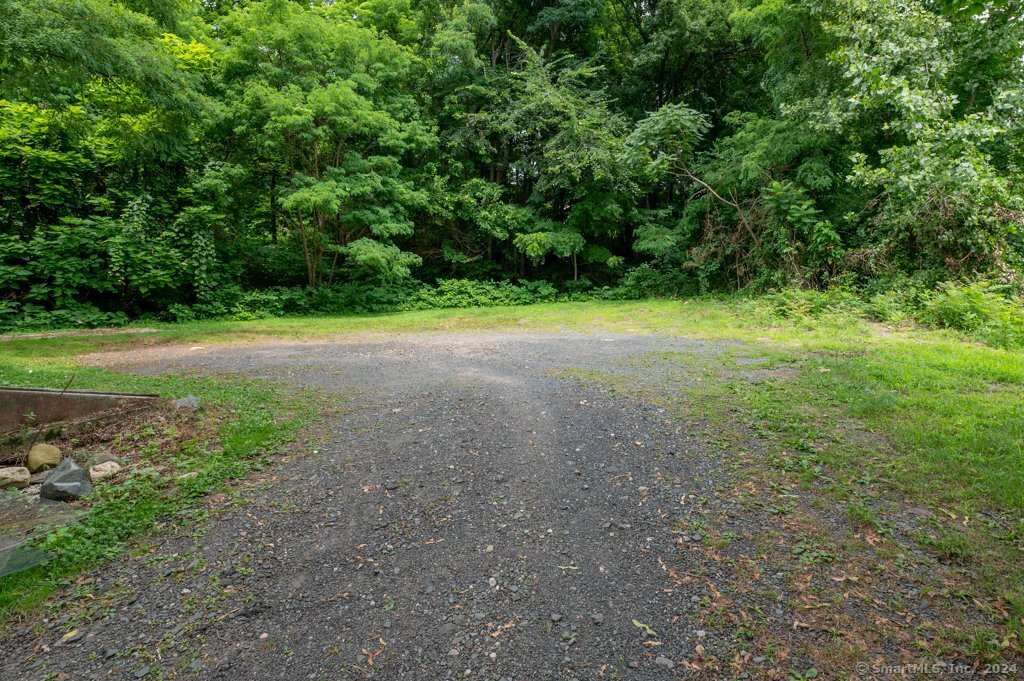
x=102 y=471
x=16 y=477
x=97 y=458
x=66 y=482
x=190 y=403
x=41 y=457
x=555 y=617
x=664 y=662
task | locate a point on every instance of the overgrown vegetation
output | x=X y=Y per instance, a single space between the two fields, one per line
x=169 y=159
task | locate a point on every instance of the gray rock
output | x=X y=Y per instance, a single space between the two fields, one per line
x=14 y=476
x=66 y=482
x=664 y=662
x=190 y=403
x=102 y=457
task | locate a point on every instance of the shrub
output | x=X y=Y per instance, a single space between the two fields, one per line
x=793 y=303
x=646 y=281
x=982 y=309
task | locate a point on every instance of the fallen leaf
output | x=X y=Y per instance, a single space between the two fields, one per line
x=650 y=632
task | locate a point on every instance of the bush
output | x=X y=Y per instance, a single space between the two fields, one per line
x=982 y=309
x=646 y=281
x=29 y=317
x=370 y=298
x=794 y=303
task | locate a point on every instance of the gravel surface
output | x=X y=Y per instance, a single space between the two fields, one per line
x=474 y=512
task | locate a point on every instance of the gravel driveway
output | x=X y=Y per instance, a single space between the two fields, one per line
x=474 y=512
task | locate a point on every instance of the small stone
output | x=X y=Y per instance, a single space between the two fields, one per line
x=759 y=659
x=391 y=485
x=102 y=457
x=454 y=652
x=142 y=673
x=492 y=582
x=102 y=471
x=66 y=482
x=16 y=477
x=597 y=618
x=701 y=633
x=555 y=617
x=190 y=403
x=664 y=662
x=41 y=457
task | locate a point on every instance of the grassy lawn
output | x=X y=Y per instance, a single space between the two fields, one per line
x=859 y=410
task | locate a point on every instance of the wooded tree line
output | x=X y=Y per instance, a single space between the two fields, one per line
x=164 y=156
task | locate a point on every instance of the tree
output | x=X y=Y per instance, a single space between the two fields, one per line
x=319 y=95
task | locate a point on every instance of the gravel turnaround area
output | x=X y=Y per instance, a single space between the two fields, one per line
x=474 y=511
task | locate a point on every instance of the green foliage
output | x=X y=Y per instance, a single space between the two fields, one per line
x=979 y=308
x=164 y=159
x=376 y=297
x=663 y=142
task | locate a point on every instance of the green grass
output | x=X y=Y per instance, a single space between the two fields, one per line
x=918 y=416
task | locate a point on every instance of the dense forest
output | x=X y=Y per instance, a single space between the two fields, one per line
x=178 y=159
